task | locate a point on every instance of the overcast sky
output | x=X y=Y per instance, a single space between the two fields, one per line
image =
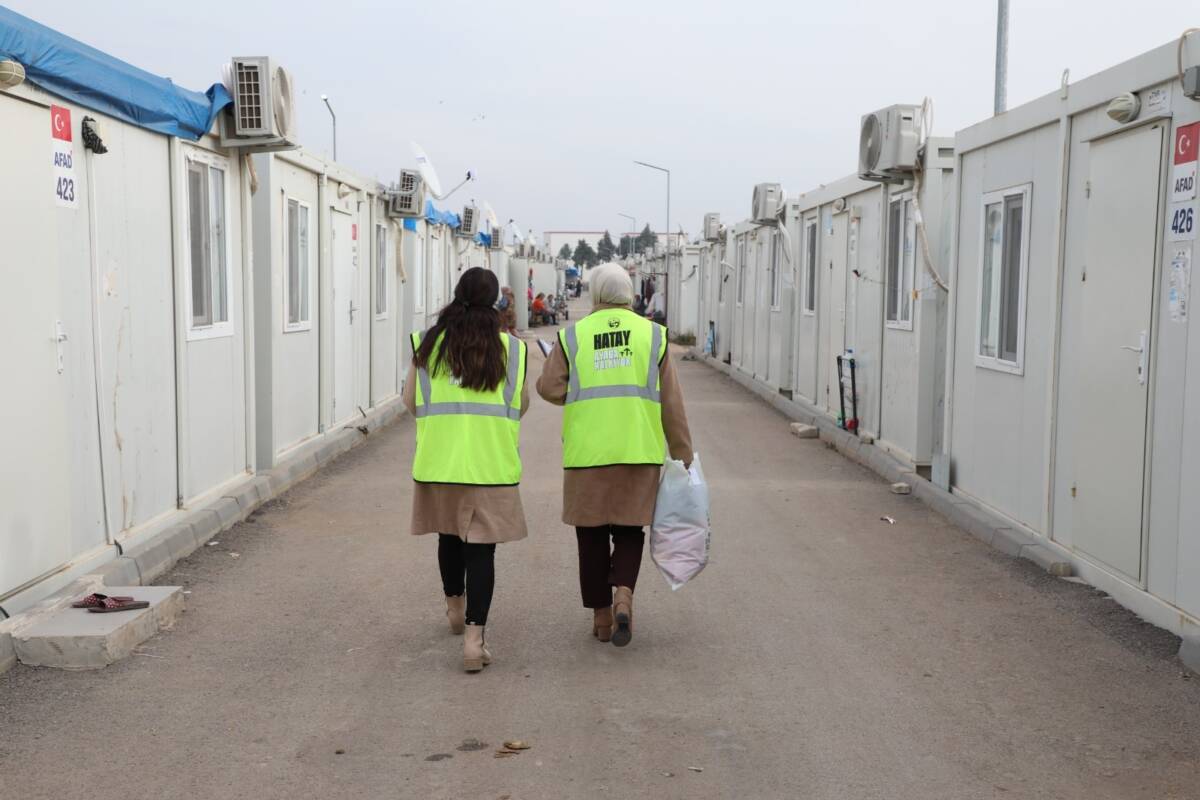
x=549 y=102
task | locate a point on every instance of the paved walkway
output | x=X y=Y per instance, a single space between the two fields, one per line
x=823 y=654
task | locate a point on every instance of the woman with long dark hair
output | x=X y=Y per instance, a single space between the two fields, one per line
x=466 y=390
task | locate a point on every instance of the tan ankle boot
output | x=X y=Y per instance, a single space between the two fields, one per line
x=602 y=623
x=623 y=613
x=456 y=613
x=475 y=652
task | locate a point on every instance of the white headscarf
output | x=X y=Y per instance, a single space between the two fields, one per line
x=611 y=285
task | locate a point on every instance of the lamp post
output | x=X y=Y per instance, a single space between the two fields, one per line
x=631 y=240
x=667 y=262
x=1001 y=98
x=325 y=99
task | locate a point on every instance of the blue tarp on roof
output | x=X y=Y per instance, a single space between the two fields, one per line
x=434 y=214
x=484 y=239
x=81 y=74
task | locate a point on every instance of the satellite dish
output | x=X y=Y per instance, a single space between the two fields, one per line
x=428 y=173
x=489 y=213
x=517 y=232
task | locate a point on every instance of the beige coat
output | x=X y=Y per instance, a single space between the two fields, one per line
x=482 y=514
x=622 y=494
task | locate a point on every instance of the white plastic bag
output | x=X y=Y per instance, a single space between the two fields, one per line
x=680 y=535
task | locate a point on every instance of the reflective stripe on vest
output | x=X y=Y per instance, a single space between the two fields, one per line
x=425 y=408
x=466 y=436
x=647 y=391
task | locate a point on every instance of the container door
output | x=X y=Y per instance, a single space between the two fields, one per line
x=1115 y=321
x=345 y=313
x=35 y=502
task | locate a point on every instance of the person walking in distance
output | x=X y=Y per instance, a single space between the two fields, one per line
x=467 y=392
x=621 y=399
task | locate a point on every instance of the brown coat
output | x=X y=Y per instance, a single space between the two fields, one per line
x=482 y=514
x=622 y=494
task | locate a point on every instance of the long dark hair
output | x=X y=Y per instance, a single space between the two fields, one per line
x=471 y=348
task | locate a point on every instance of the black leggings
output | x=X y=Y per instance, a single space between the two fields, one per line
x=471 y=568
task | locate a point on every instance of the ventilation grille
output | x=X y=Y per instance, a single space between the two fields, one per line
x=468 y=220
x=250 y=112
x=406 y=204
x=408 y=181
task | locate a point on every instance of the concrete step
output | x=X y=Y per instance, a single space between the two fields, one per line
x=75 y=638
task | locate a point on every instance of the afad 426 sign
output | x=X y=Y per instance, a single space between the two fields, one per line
x=62 y=151
x=1181 y=222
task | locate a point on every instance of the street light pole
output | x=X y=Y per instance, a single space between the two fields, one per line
x=325 y=99
x=666 y=278
x=1001 y=97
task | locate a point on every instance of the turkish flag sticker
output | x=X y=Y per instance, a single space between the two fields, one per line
x=1187 y=143
x=60 y=123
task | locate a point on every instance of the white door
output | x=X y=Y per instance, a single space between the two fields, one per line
x=726 y=280
x=346 y=313
x=1114 y=350
x=35 y=502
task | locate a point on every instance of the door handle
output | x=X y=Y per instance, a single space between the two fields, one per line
x=1140 y=349
x=60 y=336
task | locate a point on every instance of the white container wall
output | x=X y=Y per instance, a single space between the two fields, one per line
x=1073 y=411
x=129 y=340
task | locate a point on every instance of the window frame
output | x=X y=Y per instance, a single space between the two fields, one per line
x=381 y=272
x=808 y=294
x=306 y=323
x=1025 y=191
x=907 y=272
x=208 y=162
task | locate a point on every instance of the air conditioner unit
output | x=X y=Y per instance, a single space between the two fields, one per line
x=764 y=205
x=888 y=143
x=712 y=227
x=497 y=238
x=262 y=116
x=408 y=199
x=469 y=221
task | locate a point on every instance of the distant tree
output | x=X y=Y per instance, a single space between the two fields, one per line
x=565 y=252
x=625 y=246
x=605 y=248
x=645 y=240
x=584 y=255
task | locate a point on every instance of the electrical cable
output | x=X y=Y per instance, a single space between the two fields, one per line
x=918 y=173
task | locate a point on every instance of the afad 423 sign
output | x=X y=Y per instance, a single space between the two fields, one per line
x=62 y=151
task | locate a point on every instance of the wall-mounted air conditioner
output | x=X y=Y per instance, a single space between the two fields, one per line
x=888 y=143
x=764 y=205
x=408 y=199
x=712 y=227
x=469 y=221
x=497 y=238
x=262 y=116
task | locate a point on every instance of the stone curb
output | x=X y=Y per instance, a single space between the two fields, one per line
x=141 y=564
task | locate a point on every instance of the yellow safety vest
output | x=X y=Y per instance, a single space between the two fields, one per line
x=613 y=411
x=466 y=436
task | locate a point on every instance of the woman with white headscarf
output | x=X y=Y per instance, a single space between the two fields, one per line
x=611 y=470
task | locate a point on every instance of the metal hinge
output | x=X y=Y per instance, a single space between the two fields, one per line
x=1087 y=188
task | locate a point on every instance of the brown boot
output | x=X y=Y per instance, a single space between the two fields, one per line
x=456 y=613
x=475 y=652
x=602 y=623
x=623 y=612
